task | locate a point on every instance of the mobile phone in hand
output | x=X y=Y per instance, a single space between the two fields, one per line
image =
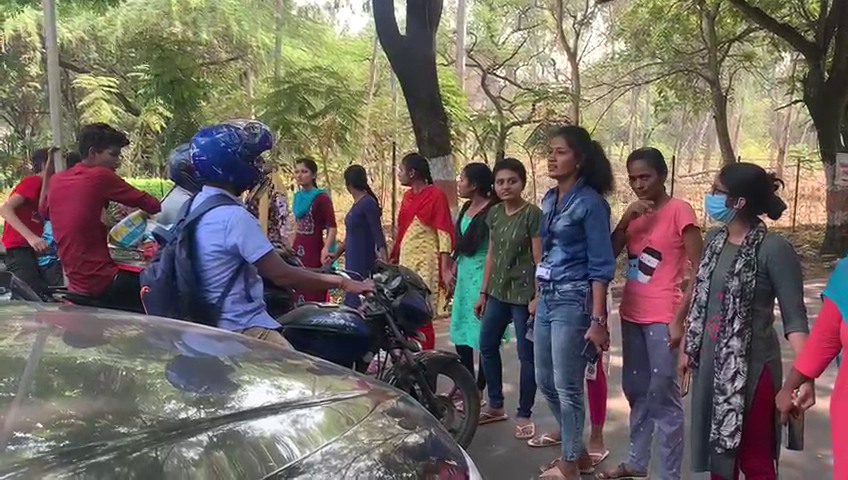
x=590 y=352
x=685 y=380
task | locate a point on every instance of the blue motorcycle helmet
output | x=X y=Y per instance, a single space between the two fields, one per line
x=181 y=171
x=228 y=153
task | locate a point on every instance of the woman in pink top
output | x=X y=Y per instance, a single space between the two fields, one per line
x=828 y=338
x=662 y=239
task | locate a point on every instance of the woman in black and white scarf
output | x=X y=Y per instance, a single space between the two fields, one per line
x=731 y=343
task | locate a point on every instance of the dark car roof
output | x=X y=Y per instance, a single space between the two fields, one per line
x=80 y=387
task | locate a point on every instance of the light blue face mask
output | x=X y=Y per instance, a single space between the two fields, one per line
x=717 y=209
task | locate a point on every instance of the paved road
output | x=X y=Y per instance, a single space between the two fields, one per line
x=500 y=457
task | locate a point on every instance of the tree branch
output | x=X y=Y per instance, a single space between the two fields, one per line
x=811 y=52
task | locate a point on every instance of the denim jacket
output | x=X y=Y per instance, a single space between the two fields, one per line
x=576 y=243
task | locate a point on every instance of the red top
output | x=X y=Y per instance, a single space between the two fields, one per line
x=431 y=207
x=309 y=240
x=30 y=189
x=828 y=337
x=75 y=201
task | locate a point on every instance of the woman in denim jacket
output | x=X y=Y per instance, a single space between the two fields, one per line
x=577 y=265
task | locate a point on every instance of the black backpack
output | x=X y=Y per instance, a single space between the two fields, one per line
x=170 y=286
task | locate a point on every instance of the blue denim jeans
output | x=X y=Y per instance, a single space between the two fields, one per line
x=496 y=318
x=562 y=319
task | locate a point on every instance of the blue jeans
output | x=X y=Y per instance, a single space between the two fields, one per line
x=496 y=318
x=562 y=320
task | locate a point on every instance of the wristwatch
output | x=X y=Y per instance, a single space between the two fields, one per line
x=602 y=321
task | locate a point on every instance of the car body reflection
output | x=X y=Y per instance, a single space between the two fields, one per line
x=88 y=393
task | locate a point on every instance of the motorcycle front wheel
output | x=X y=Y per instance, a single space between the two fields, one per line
x=457 y=398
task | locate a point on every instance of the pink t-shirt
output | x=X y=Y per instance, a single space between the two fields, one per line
x=656 y=262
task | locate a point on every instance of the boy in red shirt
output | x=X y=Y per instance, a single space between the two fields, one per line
x=24 y=227
x=75 y=201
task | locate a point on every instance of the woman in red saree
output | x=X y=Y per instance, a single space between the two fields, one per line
x=425 y=237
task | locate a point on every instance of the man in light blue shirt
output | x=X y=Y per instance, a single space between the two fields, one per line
x=226 y=159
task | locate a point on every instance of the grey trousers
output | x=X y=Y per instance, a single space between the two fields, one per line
x=651 y=386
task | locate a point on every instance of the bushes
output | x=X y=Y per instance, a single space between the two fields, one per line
x=155 y=186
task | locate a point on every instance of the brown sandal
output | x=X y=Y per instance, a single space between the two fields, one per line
x=525 y=432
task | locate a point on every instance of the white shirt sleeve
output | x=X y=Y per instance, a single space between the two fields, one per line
x=245 y=235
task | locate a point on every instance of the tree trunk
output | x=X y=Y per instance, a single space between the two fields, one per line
x=461 y=10
x=632 y=123
x=722 y=129
x=708 y=150
x=699 y=140
x=646 y=118
x=413 y=59
x=278 y=38
x=737 y=128
x=783 y=145
x=372 y=80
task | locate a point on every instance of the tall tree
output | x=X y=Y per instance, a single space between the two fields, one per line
x=412 y=56
x=704 y=40
x=819 y=33
x=573 y=23
x=508 y=44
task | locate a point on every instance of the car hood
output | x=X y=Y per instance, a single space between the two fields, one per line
x=100 y=394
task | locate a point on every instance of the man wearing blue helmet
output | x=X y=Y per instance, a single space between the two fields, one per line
x=227 y=161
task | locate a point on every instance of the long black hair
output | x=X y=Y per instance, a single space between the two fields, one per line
x=481 y=176
x=756 y=186
x=594 y=166
x=416 y=162
x=310 y=165
x=356 y=177
x=477 y=233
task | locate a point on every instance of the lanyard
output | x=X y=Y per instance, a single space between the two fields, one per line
x=553 y=214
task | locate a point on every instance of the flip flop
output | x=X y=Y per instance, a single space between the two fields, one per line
x=622 y=472
x=553 y=473
x=523 y=432
x=486 y=417
x=546 y=440
x=597 y=458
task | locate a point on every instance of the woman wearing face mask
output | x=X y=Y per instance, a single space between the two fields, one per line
x=508 y=294
x=314 y=213
x=662 y=239
x=476 y=185
x=364 y=241
x=577 y=265
x=425 y=237
x=731 y=343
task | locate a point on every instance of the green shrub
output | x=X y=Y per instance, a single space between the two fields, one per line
x=155 y=186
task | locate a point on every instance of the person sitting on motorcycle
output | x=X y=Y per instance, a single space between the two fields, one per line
x=227 y=161
x=75 y=201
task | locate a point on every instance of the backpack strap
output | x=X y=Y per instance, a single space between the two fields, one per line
x=229 y=287
x=190 y=216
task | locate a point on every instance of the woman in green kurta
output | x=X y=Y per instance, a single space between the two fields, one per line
x=731 y=343
x=475 y=184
